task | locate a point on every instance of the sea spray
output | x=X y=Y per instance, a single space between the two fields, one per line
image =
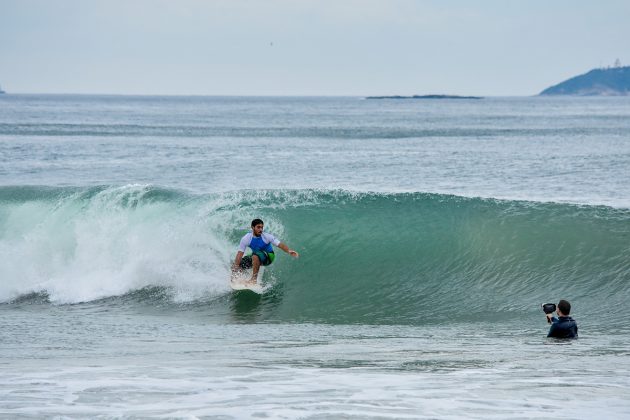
x=82 y=245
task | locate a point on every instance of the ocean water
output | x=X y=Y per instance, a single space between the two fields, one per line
x=430 y=232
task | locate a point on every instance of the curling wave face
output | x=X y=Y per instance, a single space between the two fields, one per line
x=407 y=258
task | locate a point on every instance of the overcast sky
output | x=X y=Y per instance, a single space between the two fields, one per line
x=306 y=47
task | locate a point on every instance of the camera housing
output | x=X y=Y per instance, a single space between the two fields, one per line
x=549 y=308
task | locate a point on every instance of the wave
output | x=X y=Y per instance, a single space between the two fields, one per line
x=330 y=132
x=365 y=257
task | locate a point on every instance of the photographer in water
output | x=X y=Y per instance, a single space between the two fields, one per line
x=564 y=326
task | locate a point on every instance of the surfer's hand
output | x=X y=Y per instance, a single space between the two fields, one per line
x=294 y=253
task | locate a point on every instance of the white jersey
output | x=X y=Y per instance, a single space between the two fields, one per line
x=266 y=238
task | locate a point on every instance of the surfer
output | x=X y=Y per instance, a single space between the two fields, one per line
x=564 y=326
x=261 y=244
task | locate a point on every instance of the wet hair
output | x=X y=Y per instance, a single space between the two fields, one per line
x=257 y=222
x=564 y=306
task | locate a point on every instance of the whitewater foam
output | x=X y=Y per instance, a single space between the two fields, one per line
x=107 y=242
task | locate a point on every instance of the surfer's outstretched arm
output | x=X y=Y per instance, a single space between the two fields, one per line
x=289 y=251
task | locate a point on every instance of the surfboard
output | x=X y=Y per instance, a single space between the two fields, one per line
x=238 y=281
x=256 y=288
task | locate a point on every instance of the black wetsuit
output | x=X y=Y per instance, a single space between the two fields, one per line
x=563 y=327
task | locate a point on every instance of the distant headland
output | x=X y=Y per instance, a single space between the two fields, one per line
x=425 y=97
x=610 y=81
x=1 y=91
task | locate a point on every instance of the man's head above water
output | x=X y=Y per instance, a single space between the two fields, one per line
x=257 y=227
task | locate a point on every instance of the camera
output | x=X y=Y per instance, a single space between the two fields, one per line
x=548 y=308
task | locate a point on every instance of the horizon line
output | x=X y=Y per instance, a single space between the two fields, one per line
x=251 y=95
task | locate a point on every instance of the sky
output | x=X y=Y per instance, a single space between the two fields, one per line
x=306 y=47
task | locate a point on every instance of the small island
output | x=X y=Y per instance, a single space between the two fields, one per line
x=425 y=97
x=1 y=91
x=610 y=81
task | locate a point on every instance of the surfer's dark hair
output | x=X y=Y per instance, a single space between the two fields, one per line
x=565 y=307
x=257 y=222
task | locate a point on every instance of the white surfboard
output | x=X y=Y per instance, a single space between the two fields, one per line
x=238 y=281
